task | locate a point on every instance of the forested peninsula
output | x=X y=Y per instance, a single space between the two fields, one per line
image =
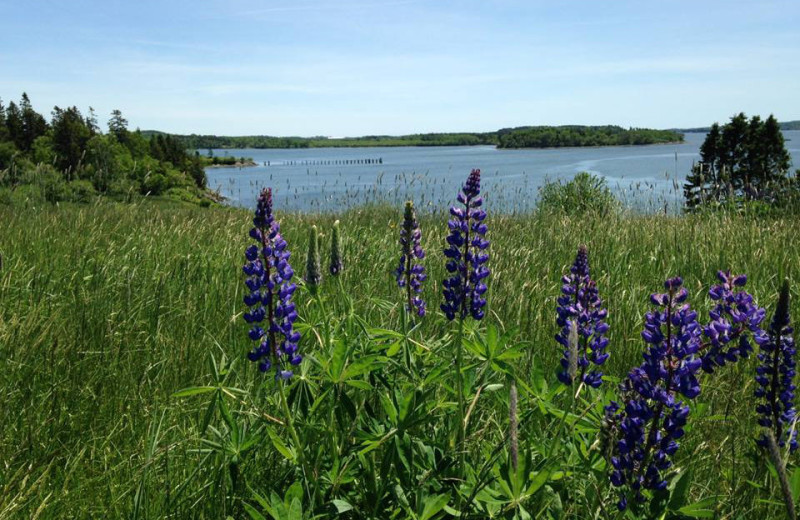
x=519 y=137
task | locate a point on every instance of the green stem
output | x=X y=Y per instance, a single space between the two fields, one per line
x=560 y=429
x=406 y=342
x=460 y=390
x=326 y=326
x=298 y=446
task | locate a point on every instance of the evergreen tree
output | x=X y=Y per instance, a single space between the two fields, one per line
x=70 y=135
x=741 y=160
x=118 y=126
x=91 y=122
x=33 y=124
x=14 y=124
x=734 y=150
x=3 y=127
x=753 y=164
x=777 y=159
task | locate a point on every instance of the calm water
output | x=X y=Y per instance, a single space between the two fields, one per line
x=644 y=177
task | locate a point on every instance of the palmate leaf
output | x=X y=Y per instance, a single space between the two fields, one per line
x=194 y=390
x=342 y=506
x=279 y=445
x=432 y=506
x=701 y=509
x=253 y=512
x=679 y=490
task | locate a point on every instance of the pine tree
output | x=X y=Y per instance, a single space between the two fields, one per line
x=70 y=135
x=91 y=122
x=118 y=126
x=14 y=124
x=777 y=159
x=33 y=124
x=741 y=160
x=3 y=127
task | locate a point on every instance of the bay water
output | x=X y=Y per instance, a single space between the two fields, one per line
x=646 y=178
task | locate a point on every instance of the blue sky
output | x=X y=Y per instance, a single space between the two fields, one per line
x=356 y=67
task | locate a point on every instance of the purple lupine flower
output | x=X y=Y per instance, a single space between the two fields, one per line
x=466 y=253
x=775 y=377
x=410 y=273
x=652 y=418
x=733 y=320
x=269 y=294
x=581 y=304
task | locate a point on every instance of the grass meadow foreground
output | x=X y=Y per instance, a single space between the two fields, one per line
x=126 y=389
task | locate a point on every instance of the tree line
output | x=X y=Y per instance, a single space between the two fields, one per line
x=202 y=142
x=69 y=157
x=520 y=137
x=742 y=161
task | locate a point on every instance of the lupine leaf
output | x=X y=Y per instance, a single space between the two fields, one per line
x=342 y=506
x=279 y=445
x=194 y=390
x=700 y=509
x=253 y=512
x=433 y=505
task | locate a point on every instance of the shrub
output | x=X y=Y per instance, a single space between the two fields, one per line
x=50 y=181
x=181 y=195
x=585 y=193
x=7 y=153
x=80 y=191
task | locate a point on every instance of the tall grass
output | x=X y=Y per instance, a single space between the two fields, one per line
x=107 y=310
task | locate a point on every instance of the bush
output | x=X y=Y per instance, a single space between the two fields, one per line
x=181 y=195
x=124 y=189
x=154 y=184
x=50 y=181
x=585 y=193
x=81 y=191
x=7 y=153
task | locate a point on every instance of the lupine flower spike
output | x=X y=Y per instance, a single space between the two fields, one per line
x=269 y=295
x=336 y=251
x=775 y=377
x=580 y=310
x=313 y=275
x=464 y=289
x=410 y=273
x=652 y=417
x=733 y=320
x=466 y=253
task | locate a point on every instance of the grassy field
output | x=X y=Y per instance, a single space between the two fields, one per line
x=108 y=310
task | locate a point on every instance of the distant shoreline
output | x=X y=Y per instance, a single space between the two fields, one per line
x=518 y=137
x=441 y=146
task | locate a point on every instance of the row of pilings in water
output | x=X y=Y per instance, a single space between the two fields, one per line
x=332 y=162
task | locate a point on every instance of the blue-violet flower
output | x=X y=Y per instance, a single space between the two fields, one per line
x=775 y=377
x=581 y=304
x=410 y=273
x=269 y=294
x=466 y=253
x=733 y=320
x=652 y=418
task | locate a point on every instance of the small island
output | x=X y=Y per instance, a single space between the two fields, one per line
x=213 y=161
x=575 y=135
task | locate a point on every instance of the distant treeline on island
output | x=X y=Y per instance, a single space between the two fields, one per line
x=519 y=137
x=785 y=125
